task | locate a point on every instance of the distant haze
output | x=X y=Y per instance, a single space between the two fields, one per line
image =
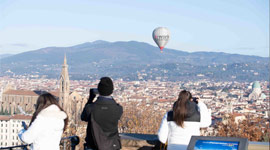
x=134 y=60
x=5 y=55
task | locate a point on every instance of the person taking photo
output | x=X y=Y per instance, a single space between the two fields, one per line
x=184 y=121
x=102 y=117
x=46 y=126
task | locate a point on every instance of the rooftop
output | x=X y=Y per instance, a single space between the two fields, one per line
x=15 y=117
x=29 y=93
x=256 y=84
x=21 y=92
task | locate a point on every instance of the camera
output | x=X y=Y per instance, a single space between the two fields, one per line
x=95 y=91
x=195 y=99
x=24 y=125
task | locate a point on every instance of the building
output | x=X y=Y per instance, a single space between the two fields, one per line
x=10 y=125
x=71 y=102
x=13 y=101
x=256 y=93
x=16 y=102
x=64 y=88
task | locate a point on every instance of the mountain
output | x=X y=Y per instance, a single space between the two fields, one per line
x=119 y=59
x=5 y=55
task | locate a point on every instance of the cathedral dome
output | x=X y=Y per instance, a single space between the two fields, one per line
x=256 y=85
x=263 y=96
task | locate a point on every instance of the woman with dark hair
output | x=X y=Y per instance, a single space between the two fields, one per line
x=47 y=124
x=183 y=121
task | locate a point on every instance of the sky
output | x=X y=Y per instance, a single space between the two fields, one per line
x=230 y=26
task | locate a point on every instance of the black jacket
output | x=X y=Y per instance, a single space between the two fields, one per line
x=193 y=113
x=106 y=113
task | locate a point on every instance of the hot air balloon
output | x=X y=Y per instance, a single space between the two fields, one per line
x=161 y=36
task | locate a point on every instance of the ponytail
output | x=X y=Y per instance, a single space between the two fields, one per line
x=180 y=107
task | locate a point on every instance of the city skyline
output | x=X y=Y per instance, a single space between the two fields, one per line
x=153 y=98
x=221 y=26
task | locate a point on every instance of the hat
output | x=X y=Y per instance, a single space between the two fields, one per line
x=105 y=86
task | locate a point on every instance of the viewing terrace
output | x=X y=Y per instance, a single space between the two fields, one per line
x=129 y=142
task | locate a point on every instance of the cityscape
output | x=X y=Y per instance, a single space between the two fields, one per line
x=239 y=99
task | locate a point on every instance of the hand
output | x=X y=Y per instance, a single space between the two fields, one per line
x=198 y=100
x=24 y=125
x=92 y=96
x=195 y=99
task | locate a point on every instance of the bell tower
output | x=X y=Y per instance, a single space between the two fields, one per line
x=64 y=87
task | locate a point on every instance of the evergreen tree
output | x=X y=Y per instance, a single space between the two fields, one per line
x=6 y=112
x=9 y=110
x=1 y=112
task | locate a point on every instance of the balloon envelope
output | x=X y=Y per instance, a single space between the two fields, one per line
x=161 y=36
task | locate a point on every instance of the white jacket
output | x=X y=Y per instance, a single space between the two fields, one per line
x=46 y=130
x=178 y=137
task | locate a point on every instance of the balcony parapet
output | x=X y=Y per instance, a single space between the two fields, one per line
x=132 y=141
x=258 y=145
x=74 y=141
x=23 y=147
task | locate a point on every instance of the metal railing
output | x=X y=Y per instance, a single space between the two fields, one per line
x=151 y=140
x=23 y=147
x=74 y=141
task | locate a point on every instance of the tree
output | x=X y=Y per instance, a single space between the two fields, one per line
x=254 y=129
x=137 y=120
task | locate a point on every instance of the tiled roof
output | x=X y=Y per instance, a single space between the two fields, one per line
x=21 y=117
x=29 y=93
x=55 y=93
x=21 y=92
x=15 y=117
x=237 y=114
x=4 y=117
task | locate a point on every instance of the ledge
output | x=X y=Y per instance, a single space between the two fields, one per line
x=132 y=141
x=258 y=146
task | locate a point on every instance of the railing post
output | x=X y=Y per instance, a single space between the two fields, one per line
x=75 y=140
x=24 y=148
x=64 y=146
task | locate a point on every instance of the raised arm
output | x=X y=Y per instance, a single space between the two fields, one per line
x=28 y=136
x=205 y=115
x=85 y=116
x=163 y=130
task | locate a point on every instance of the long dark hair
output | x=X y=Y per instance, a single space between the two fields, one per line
x=180 y=107
x=44 y=101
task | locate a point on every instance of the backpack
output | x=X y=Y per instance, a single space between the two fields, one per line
x=103 y=140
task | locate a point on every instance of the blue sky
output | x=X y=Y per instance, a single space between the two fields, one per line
x=231 y=26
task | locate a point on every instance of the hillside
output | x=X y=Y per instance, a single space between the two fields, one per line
x=123 y=59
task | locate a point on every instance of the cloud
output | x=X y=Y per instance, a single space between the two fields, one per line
x=246 y=48
x=252 y=48
x=19 y=45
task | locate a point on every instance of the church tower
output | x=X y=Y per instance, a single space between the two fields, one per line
x=64 y=87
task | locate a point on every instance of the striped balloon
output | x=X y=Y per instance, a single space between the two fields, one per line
x=161 y=36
